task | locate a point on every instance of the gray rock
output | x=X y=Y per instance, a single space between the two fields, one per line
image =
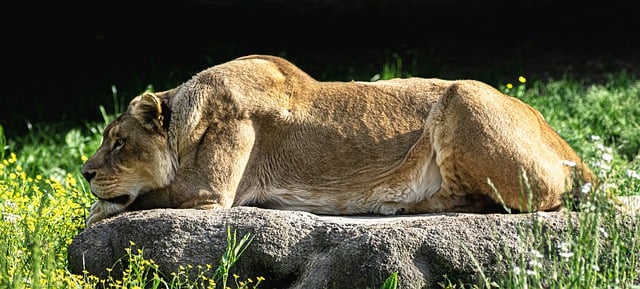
x=301 y=250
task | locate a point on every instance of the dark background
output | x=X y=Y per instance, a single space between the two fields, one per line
x=60 y=60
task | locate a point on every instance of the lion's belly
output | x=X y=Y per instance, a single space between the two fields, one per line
x=386 y=192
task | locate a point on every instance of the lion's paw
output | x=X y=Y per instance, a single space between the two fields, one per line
x=101 y=210
x=209 y=207
x=201 y=205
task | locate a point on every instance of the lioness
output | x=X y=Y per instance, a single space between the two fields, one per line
x=258 y=131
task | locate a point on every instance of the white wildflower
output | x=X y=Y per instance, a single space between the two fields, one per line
x=633 y=174
x=565 y=250
x=536 y=254
x=595 y=267
x=607 y=157
x=603 y=232
x=595 y=137
x=564 y=245
x=587 y=207
x=586 y=188
x=516 y=270
x=10 y=218
x=535 y=264
x=566 y=255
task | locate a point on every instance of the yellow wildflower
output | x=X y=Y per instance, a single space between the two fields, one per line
x=509 y=85
x=522 y=79
x=71 y=180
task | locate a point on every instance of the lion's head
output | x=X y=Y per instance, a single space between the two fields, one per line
x=134 y=156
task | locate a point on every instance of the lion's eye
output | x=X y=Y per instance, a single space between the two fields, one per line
x=117 y=144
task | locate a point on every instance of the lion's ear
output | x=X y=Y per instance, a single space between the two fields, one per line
x=147 y=109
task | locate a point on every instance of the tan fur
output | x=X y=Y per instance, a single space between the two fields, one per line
x=259 y=131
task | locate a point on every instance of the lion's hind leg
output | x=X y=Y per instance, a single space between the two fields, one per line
x=484 y=143
x=424 y=188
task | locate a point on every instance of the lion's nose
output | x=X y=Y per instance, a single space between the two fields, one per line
x=88 y=175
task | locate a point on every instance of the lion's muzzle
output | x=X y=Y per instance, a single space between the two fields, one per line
x=122 y=200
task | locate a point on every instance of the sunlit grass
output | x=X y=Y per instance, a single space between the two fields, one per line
x=600 y=248
x=40 y=216
x=44 y=200
x=601 y=122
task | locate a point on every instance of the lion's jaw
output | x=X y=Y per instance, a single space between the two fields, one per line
x=127 y=183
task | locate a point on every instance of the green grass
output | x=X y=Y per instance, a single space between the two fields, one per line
x=44 y=200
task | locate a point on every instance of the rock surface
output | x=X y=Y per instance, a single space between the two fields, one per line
x=302 y=250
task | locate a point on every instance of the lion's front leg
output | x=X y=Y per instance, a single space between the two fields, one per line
x=101 y=210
